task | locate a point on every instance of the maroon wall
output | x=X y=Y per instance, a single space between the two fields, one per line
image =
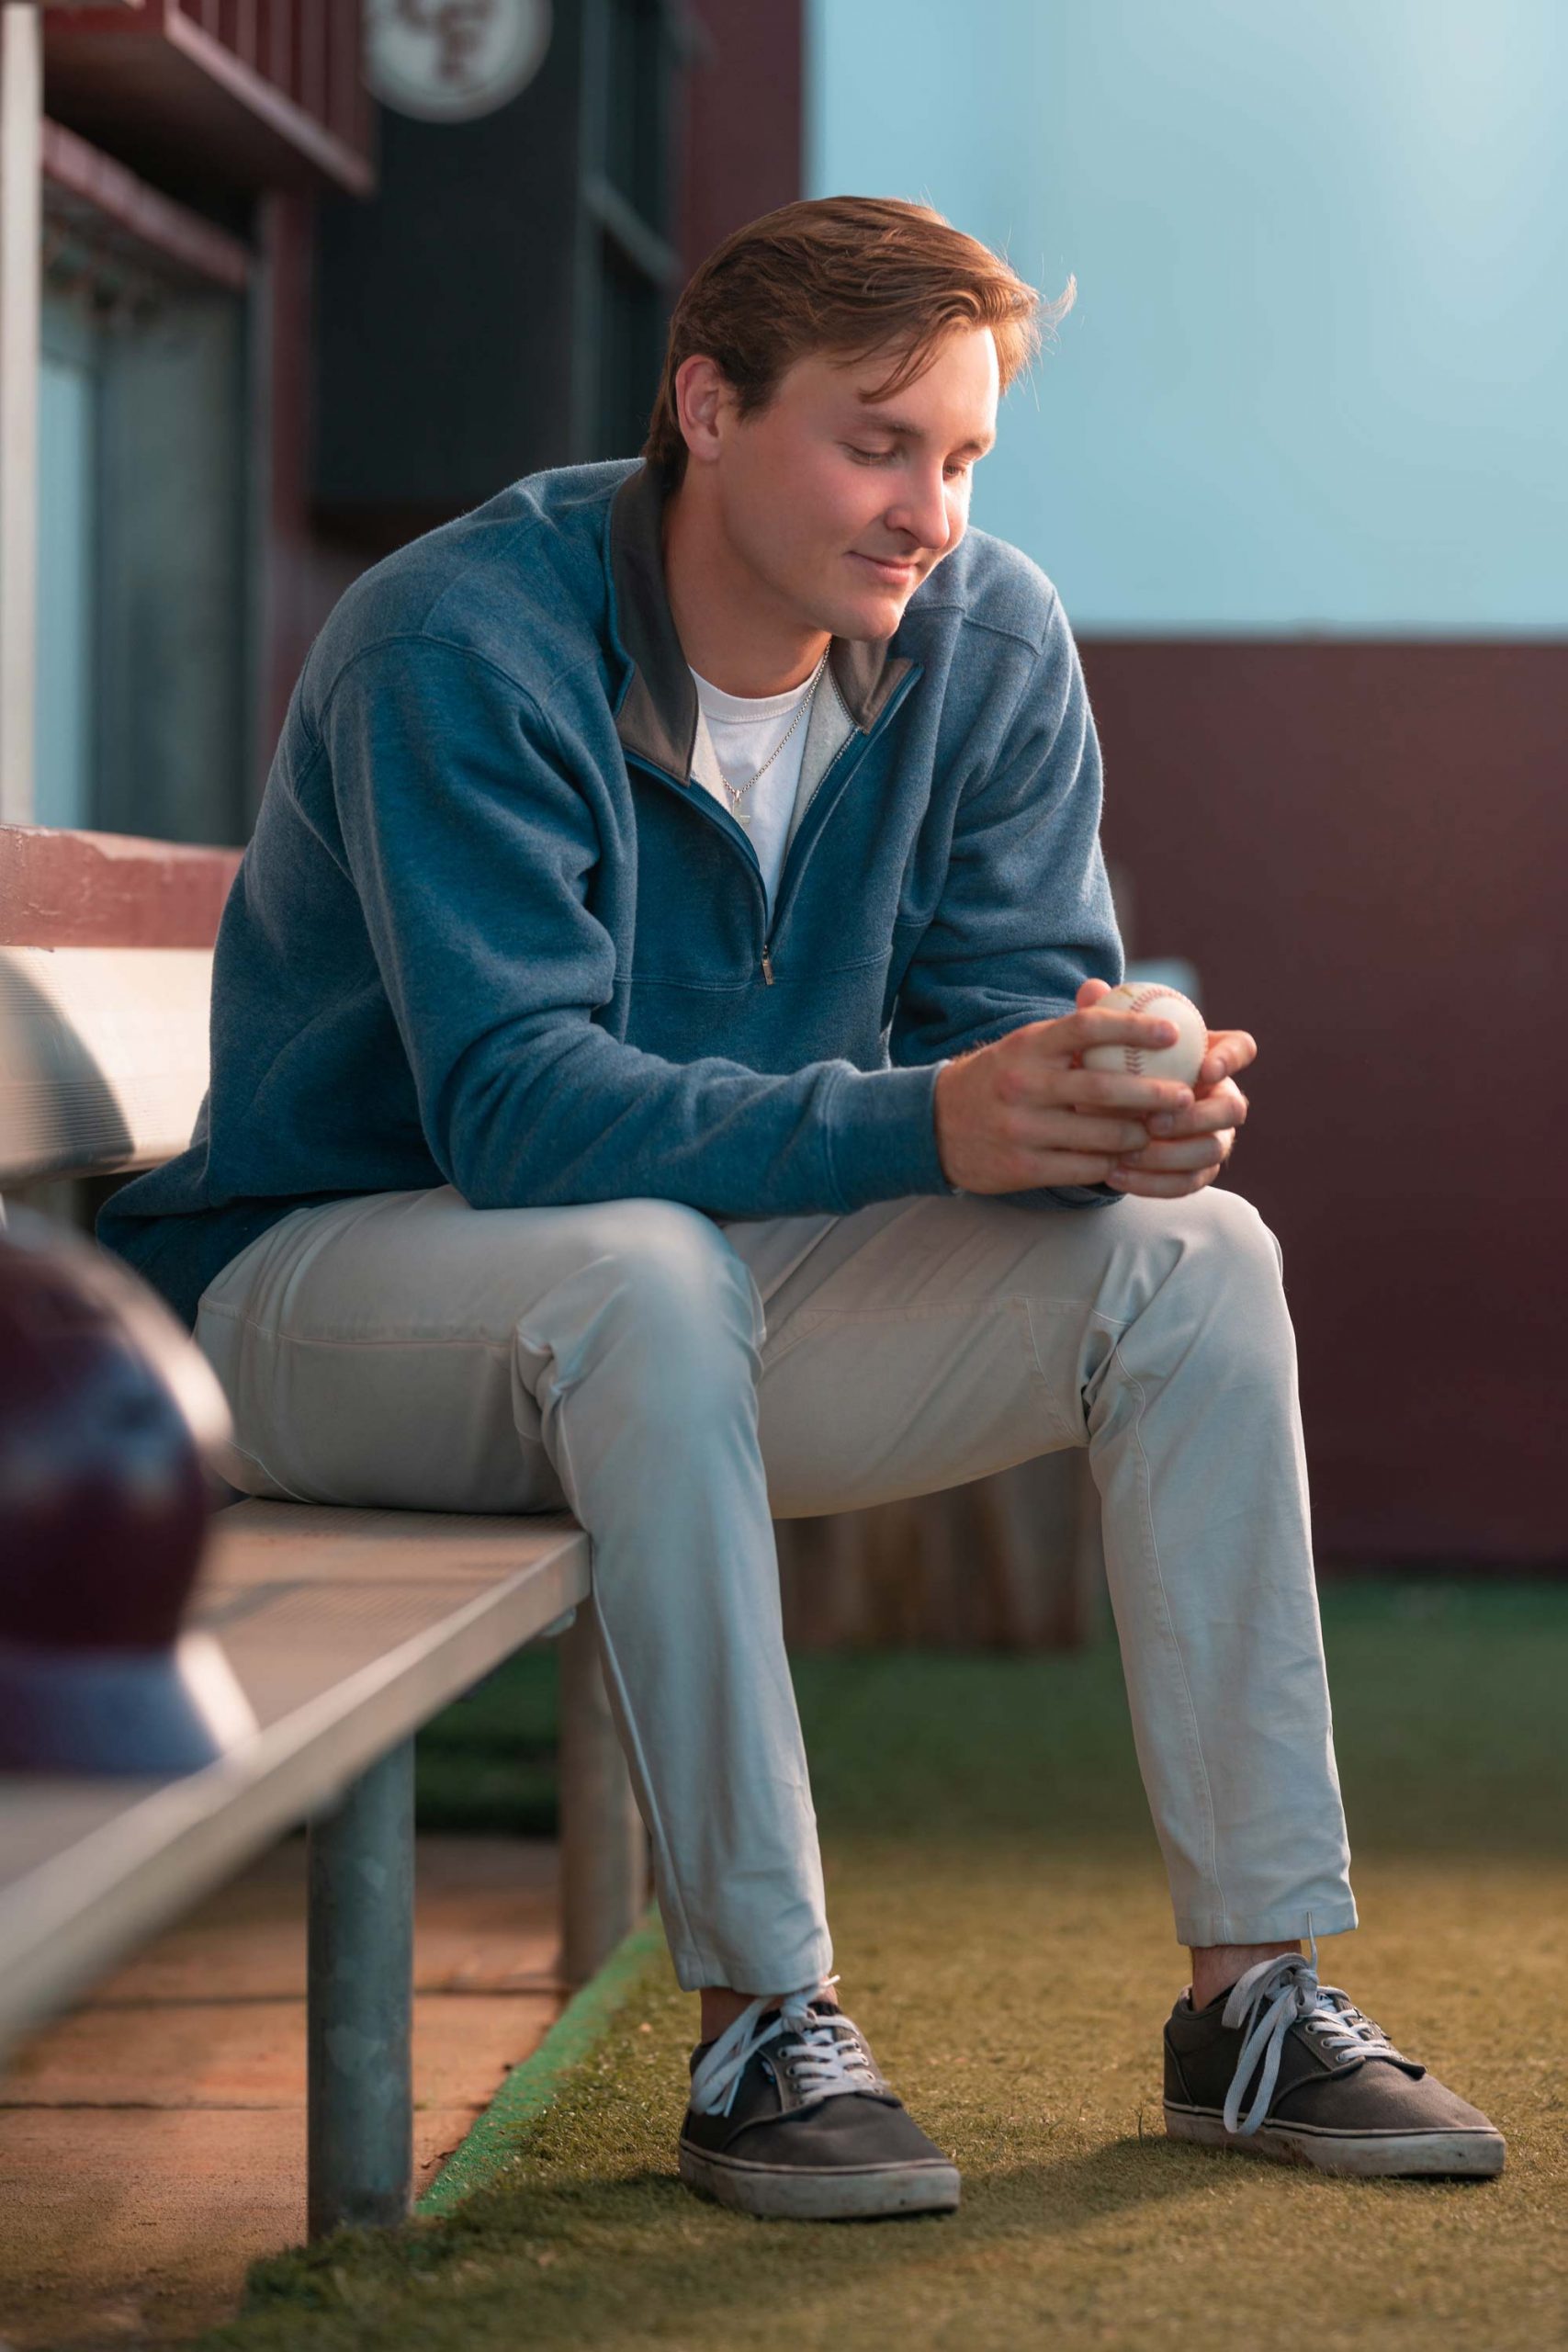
x=1362 y=847
x=745 y=101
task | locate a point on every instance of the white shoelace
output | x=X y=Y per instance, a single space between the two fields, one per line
x=826 y=2058
x=1265 y=2003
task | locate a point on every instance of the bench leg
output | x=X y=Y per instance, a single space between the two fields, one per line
x=603 y=1844
x=360 y=2079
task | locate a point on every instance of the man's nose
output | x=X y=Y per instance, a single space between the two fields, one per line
x=922 y=514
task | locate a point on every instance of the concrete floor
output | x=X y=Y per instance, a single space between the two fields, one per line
x=153 y=2141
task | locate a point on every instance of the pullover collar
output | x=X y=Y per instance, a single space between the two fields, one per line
x=658 y=714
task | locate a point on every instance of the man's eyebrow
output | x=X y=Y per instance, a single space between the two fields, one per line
x=904 y=431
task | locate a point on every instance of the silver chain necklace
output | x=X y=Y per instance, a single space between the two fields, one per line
x=738 y=791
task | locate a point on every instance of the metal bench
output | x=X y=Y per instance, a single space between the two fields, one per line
x=347 y=1630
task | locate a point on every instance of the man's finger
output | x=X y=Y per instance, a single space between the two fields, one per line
x=1072 y=1033
x=1194 y=1152
x=1056 y=1167
x=1102 y=1089
x=1154 y=1184
x=1229 y=1050
x=1226 y=1106
x=1117 y=1133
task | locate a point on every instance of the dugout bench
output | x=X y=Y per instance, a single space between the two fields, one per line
x=348 y=1630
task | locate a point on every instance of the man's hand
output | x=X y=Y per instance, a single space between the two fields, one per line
x=1188 y=1151
x=1022 y=1113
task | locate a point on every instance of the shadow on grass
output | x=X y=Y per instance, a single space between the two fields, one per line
x=565 y=2263
x=582 y=2241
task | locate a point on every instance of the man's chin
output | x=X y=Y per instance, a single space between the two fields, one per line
x=867 y=622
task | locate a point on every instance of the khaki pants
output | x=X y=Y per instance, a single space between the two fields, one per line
x=677 y=1383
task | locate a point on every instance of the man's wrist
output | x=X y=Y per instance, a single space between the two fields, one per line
x=882 y=1139
x=951 y=1188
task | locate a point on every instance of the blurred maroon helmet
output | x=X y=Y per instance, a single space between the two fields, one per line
x=109 y=1419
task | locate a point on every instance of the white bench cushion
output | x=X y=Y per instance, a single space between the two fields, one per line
x=103 y=1056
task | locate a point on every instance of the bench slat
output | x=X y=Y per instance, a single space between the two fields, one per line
x=259 y=1542
x=88 y=1869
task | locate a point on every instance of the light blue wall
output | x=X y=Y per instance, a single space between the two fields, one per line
x=1317 y=373
x=68 y=393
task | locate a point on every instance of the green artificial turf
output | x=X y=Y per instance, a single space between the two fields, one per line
x=1005 y=1942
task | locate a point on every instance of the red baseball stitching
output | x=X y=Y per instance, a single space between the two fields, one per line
x=1134 y=1054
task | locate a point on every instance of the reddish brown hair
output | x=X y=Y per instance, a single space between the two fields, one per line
x=841 y=274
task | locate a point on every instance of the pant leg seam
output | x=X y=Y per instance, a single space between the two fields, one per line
x=1075 y=1432
x=391 y=1339
x=608 y=1651
x=248 y=1453
x=1207 y=1790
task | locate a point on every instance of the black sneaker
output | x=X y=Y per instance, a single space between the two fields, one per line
x=1326 y=2085
x=790 y=2116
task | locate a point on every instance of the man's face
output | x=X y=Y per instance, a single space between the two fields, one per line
x=843 y=507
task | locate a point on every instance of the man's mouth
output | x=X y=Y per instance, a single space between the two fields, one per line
x=892 y=571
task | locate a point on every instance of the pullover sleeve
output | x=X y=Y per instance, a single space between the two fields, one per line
x=471 y=844
x=1025 y=912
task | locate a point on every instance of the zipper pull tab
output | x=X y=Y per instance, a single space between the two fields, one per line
x=767 y=965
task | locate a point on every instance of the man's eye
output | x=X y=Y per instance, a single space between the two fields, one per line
x=887 y=456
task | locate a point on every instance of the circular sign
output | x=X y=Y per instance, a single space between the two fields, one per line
x=450 y=60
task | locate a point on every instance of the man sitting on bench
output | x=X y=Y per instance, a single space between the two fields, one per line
x=645 y=1080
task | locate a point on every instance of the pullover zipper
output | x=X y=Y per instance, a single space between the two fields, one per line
x=651 y=768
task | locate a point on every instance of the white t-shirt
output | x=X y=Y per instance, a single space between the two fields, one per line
x=746 y=729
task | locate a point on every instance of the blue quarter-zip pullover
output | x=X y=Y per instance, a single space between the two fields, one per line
x=489 y=931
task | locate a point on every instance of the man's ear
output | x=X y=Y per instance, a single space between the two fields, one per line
x=701 y=393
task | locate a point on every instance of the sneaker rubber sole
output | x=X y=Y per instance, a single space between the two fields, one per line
x=1442 y=2156
x=849 y=2193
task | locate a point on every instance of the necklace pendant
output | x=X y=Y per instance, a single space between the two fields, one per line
x=743 y=817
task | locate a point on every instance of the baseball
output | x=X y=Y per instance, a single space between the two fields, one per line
x=1182 y=1060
